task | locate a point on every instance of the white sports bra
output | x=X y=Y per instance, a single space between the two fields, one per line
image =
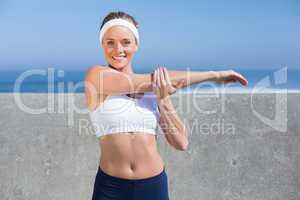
x=120 y=113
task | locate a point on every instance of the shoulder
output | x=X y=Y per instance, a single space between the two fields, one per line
x=94 y=70
x=91 y=79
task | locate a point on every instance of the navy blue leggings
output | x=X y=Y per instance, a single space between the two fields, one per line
x=109 y=187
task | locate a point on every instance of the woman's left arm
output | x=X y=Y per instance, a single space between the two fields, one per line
x=169 y=121
x=171 y=124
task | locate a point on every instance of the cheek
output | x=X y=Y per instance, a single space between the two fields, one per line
x=108 y=52
x=130 y=51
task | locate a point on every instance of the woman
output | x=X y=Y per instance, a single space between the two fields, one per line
x=126 y=108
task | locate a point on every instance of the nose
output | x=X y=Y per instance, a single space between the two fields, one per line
x=119 y=47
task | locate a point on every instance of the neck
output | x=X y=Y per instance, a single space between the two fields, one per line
x=127 y=69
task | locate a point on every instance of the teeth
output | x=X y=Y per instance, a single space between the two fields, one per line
x=118 y=57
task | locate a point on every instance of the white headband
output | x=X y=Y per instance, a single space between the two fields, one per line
x=119 y=22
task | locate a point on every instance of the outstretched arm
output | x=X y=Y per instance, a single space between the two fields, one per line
x=105 y=80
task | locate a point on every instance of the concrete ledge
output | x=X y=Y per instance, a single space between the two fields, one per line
x=234 y=151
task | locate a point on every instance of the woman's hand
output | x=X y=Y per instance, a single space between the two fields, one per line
x=230 y=76
x=162 y=85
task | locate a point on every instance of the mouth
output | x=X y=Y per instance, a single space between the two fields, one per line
x=119 y=58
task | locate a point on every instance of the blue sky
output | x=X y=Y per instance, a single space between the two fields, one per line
x=176 y=34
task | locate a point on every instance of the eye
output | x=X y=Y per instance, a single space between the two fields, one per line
x=126 y=42
x=110 y=43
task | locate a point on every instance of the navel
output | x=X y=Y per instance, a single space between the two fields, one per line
x=132 y=166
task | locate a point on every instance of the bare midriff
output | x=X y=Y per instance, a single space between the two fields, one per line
x=130 y=155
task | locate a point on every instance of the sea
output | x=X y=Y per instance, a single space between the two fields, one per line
x=54 y=80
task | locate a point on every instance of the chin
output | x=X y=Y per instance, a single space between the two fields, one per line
x=118 y=65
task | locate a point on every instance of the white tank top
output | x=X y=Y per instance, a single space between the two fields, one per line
x=120 y=113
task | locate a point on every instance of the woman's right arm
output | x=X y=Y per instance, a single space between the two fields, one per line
x=108 y=81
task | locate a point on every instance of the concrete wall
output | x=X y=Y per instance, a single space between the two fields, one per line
x=236 y=151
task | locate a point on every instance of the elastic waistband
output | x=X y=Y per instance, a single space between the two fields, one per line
x=136 y=181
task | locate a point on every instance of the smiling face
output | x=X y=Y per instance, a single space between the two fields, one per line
x=119 y=46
